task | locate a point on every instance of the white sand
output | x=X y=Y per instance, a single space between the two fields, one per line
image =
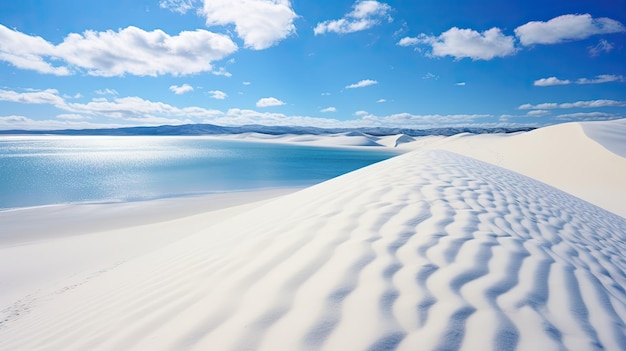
x=429 y=250
x=44 y=249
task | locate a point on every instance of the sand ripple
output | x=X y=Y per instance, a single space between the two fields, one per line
x=426 y=251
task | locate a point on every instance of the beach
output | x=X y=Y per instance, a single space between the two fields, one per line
x=473 y=242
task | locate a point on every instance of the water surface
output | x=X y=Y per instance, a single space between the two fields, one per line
x=42 y=170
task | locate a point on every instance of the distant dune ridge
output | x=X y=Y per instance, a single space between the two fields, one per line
x=430 y=250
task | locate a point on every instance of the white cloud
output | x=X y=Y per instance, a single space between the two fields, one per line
x=246 y=83
x=409 y=41
x=48 y=96
x=106 y=91
x=326 y=94
x=128 y=51
x=134 y=51
x=268 y=102
x=603 y=78
x=260 y=23
x=546 y=82
x=603 y=46
x=577 y=104
x=127 y=108
x=362 y=84
x=538 y=113
x=180 y=6
x=380 y=101
x=77 y=95
x=222 y=72
x=28 y=52
x=328 y=109
x=178 y=90
x=364 y=15
x=467 y=43
x=588 y=116
x=138 y=111
x=546 y=105
x=593 y=104
x=565 y=28
x=217 y=94
x=25 y=123
x=461 y=84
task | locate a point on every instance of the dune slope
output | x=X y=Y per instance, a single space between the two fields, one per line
x=427 y=251
x=573 y=157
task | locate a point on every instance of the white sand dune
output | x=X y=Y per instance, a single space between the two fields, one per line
x=587 y=160
x=51 y=247
x=427 y=251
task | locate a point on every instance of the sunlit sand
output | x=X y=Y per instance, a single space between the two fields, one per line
x=486 y=242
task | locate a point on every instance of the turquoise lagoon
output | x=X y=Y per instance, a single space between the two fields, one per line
x=44 y=170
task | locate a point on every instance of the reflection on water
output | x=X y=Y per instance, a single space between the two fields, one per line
x=40 y=170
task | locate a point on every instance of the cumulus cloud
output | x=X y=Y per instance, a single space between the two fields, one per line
x=460 y=84
x=362 y=84
x=380 y=101
x=577 y=104
x=178 y=90
x=180 y=6
x=260 y=23
x=546 y=82
x=364 y=15
x=115 y=53
x=268 y=102
x=328 y=109
x=566 y=28
x=29 y=52
x=134 y=51
x=603 y=78
x=48 y=96
x=466 y=43
x=217 y=94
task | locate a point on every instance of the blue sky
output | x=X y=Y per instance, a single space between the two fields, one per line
x=413 y=64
